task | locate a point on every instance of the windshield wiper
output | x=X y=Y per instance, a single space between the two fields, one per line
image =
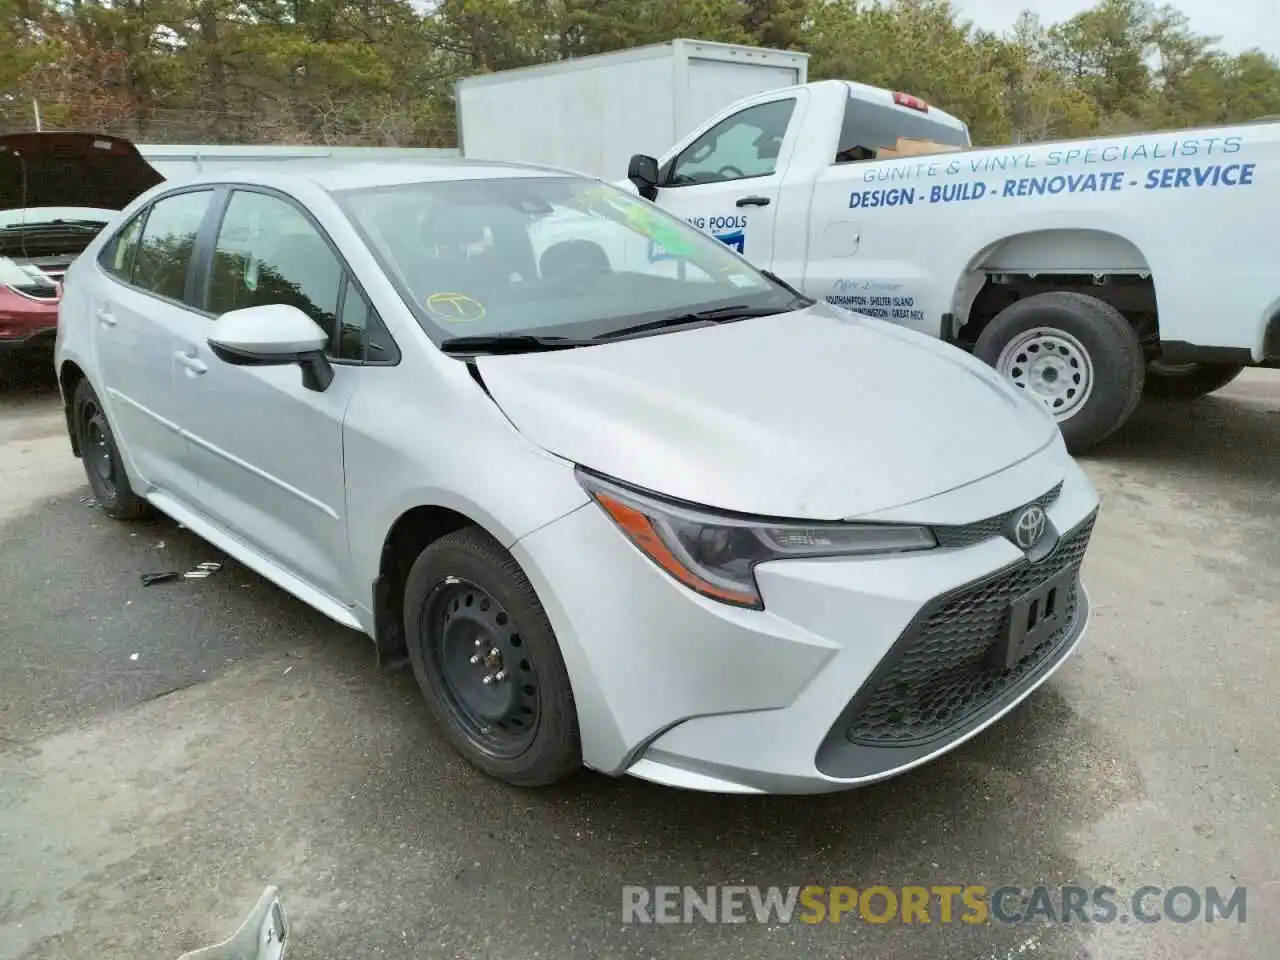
x=804 y=301
x=510 y=343
x=37 y=224
x=737 y=311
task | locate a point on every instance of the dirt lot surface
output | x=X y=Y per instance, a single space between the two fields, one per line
x=167 y=751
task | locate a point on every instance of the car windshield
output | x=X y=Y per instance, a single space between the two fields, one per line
x=548 y=256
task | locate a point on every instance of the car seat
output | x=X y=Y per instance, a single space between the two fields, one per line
x=573 y=260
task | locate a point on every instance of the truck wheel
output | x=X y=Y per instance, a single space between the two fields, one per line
x=1074 y=353
x=1187 y=381
x=486 y=657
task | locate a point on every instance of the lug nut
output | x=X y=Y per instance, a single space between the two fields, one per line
x=500 y=675
x=487 y=679
x=475 y=658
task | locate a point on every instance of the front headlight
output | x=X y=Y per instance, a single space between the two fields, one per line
x=716 y=554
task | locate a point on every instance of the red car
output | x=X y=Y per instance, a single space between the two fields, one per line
x=57 y=190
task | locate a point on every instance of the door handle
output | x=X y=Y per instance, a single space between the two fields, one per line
x=753 y=201
x=194 y=364
x=105 y=317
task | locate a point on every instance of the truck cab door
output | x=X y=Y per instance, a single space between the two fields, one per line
x=727 y=179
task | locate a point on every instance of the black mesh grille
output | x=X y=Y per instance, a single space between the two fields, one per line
x=976 y=532
x=940 y=673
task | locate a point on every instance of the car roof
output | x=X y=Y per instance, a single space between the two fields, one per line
x=333 y=175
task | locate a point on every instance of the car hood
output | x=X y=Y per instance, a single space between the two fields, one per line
x=816 y=414
x=71 y=170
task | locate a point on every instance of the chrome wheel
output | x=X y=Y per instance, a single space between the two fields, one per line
x=1051 y=366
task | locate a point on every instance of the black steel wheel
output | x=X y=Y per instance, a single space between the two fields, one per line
x=103 y=464
x=487 y=660
x=480 y=667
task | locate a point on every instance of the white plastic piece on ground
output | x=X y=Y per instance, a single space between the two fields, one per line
x=263 y=935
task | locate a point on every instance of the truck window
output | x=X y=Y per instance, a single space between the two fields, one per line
x=869 y=128
x=738 y=147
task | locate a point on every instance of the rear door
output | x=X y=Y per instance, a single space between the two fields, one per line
x=727 y=181
x=139 y=302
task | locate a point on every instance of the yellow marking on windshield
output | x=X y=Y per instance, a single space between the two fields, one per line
x=454 y=307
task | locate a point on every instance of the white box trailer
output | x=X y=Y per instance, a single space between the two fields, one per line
x=591 y=114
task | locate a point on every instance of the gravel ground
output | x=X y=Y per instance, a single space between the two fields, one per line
x=167 y=751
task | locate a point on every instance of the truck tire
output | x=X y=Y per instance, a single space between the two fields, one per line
x=1076 y=354
x=1187 y=381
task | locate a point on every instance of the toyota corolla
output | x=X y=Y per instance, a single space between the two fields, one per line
x=626 y=501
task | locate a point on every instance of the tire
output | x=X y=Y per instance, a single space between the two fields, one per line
x=1086 y=344
x=103 y=464
x=1188 y=381
x=465 y=597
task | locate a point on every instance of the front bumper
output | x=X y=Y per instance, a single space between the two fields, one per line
x=856 y=670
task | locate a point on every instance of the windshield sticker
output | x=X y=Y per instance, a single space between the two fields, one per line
x=454 y=307
x=645 y=220
x=741 y=280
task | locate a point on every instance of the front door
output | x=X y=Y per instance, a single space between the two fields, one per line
x=727 y=181
x=266 y=450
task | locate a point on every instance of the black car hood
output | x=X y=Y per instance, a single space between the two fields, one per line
x=71 y=170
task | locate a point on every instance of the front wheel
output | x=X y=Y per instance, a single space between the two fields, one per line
x=1075 y=354
x=486 y=657
x=1188 y=381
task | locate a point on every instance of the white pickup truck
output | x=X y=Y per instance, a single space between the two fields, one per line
x=1078 y=269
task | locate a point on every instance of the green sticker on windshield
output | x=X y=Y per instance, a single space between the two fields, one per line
x=645 y=220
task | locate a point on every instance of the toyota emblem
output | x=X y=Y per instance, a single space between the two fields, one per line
x=1030 y=527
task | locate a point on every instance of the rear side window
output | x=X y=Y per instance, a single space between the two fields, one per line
x=869 y=128
x=168 y=238
x=117 y=256
x=268 y=252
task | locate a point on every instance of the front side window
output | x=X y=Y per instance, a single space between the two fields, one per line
x=267 y=252
x=168 y=238
x=546 y=255
x=744 y=145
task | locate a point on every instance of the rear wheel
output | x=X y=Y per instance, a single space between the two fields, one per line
x=486 y=658
x=1188 y=381
x=101 y=457
x=1075 y=354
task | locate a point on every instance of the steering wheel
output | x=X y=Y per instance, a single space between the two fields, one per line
x=730 y=173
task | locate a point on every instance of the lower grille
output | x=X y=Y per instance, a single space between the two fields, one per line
x=939 y=675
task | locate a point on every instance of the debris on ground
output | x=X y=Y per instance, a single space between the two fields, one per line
x=149 y=578
x=198 y=572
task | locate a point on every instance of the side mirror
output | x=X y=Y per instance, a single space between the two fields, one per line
x=274 y=334
x=264 y=935
x=643 y=172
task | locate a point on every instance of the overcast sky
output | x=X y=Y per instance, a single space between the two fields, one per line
x=1241 y=23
